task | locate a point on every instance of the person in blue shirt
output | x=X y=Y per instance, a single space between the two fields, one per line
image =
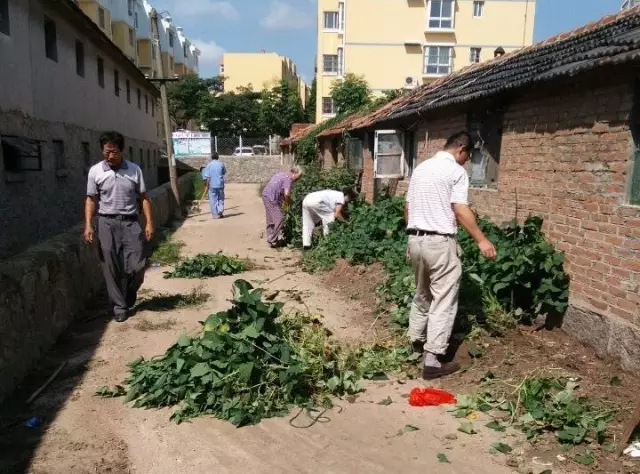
x=213 y=174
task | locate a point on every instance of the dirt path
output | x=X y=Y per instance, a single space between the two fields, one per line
x=86 y=434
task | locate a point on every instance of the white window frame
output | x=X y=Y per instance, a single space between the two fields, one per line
x=441 y=18
x=425 y=58
x=478 y=8
x=376 y=154
x=336 y=16
x=340 y=61
x=324 y=63
x=341 y=16
x=333 y=107
x=472 y=54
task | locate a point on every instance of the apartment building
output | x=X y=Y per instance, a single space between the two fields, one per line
x=63 y=83
x=404 y=43
x=261 y=71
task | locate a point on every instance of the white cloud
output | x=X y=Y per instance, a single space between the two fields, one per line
x=282 y=16
x=205 y=7
x=210 y=55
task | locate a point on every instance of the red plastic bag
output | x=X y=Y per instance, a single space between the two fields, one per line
x=430 y=397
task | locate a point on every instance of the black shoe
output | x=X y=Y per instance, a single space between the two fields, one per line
x=447 y=368
x=418 y=347
x=121 y=318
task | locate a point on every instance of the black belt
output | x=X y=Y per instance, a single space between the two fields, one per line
x=120 y=217
x=422 y=233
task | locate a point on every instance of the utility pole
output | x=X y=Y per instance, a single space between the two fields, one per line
x=162 y=82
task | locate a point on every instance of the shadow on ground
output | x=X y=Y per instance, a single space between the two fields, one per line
x=75 y=349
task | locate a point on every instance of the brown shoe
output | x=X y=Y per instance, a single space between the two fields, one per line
x=447 y=368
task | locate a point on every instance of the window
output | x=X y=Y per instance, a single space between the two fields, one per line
x=441 y=14
x=330 y=63
x=139 y=99
x=101 y=72
x=50 y=39
x=153 y=107
x=58 y=153
x=79 y=58
x=116 y=82
x=5 y=26
x=141 y=158
x=634 y=125
x=153 y=51
x=485 y=127
x=478 y=8
x=21 y=154
x=353 y=148
x=341 y=15
x=149 y=164
x=128 y=86
x=146 y=104
x=474 y=55
x=130 y=7
x=184 y=50
x=340 y=61
x=327 y=106
x=388 y=154
x=437 y=60
x=131 y=157
x=171 y=39
x=132 y=38
x=135 y=20
x=86 y=155
x=101 y=20
x=331 y=20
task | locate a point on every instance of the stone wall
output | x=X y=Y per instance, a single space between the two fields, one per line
x=241 y=169
x=45 y=287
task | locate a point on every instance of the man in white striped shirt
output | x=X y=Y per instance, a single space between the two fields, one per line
x=437 y=201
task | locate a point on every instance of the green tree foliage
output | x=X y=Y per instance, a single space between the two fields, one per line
x=233 y=113
x=351 y=94
x=280 y=108
x=386 y=97
x=310 y=110
x=186 y=96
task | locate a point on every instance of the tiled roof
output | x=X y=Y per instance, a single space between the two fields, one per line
x=614 y=39
x=299 y=134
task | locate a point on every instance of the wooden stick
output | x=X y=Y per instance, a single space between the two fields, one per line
x=46 y=384
x=628 y=429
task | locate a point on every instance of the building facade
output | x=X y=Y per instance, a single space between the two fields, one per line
x=260 y=71
x=63 y=83
x=427 y=39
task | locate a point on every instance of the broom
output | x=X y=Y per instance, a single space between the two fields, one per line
x=195 y=206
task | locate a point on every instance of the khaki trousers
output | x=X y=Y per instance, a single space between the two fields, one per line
x=436 y=263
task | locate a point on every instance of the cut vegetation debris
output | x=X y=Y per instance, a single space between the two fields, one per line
x=206 y=265
x=165 y=302
x=251 y=362
x=167 y=251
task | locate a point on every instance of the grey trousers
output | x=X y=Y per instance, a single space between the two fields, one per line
x=121 y=244
x=436 y=263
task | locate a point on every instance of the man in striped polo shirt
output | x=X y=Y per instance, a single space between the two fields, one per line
x=437 y=201
x=115 y=189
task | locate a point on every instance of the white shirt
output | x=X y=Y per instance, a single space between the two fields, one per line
x=327 y=197
x=436 y=184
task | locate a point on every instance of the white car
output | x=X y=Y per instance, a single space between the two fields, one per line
x=243 y=151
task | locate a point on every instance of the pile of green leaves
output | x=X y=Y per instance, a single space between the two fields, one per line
x=252 y=362
x=313 y=179
x=526 y=279
x=543 y=405
x=207 y=265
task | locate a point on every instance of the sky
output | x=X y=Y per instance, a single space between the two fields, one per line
x=288 y=27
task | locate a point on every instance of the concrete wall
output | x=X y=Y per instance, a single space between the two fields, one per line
x=567 y=154
x=46 y=100
x=44 y=288
x=241 y=169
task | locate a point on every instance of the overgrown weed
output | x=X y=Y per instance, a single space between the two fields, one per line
x=144 y=325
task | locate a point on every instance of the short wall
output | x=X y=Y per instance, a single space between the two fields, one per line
x=241 y=169
x=45 y=287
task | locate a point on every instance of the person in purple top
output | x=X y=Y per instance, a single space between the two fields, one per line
x=275 y=195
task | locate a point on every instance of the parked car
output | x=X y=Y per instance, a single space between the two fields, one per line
x=243 y=151
x=259 y=150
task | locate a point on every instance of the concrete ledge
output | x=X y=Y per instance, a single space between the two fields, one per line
x=608 y=335
x=45 y=287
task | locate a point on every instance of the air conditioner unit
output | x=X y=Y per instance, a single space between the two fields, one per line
x=410 y=82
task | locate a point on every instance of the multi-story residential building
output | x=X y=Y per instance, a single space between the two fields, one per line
x=630 y=4
x=261 y=71
x=427 y=39
x=64 y=82
x=99 y=11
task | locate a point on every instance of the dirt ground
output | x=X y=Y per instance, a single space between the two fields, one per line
x=82 y=433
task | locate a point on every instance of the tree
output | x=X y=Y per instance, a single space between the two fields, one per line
x=386 y=97
x=186 y=96
x=310 y=110
x=233 y=114
x=281 y=107
x=351 y=94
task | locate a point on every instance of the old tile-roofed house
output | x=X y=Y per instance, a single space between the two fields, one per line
x=557 y=133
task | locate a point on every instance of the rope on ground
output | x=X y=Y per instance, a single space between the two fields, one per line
x=320 y=418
